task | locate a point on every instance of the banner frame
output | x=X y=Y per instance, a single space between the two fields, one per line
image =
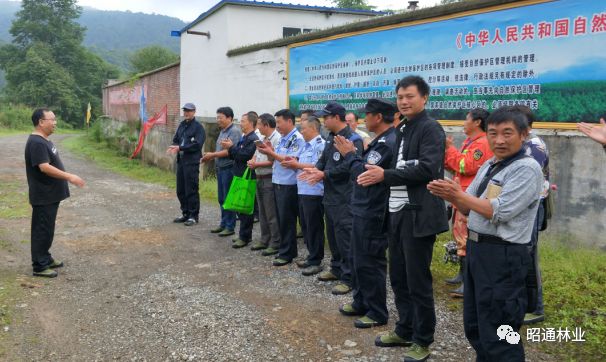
x=541 y=125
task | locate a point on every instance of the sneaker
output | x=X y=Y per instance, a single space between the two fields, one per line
x=417 y=353
x=302 y=263
x=217 y=230
x=56 y=264
x=327 y=276
x=226 y=232
x=312 y=270
x=190 y=222
x=269 y=251
x=281 y=262
x=239 y=243
x=180 y=219
x=258 y=246
x=47 y=273
x=366 y=322
x=341 y=289
x=391 y=339
x=531 y=318
x=348 y=310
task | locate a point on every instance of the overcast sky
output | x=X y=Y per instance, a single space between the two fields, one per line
x=188 y=10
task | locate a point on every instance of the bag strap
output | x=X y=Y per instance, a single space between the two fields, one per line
x=494 y=169
x=247 y=175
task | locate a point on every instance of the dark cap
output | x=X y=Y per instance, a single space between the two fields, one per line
x=332 y=109
x=189 y=107
x=382 y=106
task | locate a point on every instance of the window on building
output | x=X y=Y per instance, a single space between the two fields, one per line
x=286 y=32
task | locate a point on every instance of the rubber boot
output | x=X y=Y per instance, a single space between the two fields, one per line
x=459 y=277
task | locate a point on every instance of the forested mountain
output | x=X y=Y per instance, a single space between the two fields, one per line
x=113 y=35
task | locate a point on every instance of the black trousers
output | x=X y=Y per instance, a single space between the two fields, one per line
x=495 y=295
x=286 y=208
x=368 y=246
x=246 y=226
x=311 y=215
x=42 y=234
x=411 y=280
x=188 y=179
x=338 y=232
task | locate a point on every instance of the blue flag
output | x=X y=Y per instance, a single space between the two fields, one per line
x=142 y=111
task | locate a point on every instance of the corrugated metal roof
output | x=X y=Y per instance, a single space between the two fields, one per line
x=263 y=4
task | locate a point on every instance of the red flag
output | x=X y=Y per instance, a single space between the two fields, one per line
x=158 y=118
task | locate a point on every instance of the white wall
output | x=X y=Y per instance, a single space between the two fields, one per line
x=253 y=81
x=250 y=25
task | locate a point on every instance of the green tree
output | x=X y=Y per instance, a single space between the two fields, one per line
x=353 y=4
x=46 y=64
x=150 y=58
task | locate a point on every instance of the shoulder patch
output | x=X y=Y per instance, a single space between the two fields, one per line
x=336 y=156
x=373 y=157
x=477 y=155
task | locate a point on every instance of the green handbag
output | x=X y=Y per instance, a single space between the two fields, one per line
x=241 y=195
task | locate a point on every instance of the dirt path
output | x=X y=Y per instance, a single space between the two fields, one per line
x=138 y=287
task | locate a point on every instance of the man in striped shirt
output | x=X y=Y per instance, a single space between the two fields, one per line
x=415 y=217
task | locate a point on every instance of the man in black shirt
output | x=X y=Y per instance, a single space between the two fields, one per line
x=332 y=169
x=187 y=145
x=47 y=181
x=369 y=208
x=241 y=153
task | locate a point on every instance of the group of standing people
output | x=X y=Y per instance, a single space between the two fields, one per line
x=366 y=196
x=369 y=195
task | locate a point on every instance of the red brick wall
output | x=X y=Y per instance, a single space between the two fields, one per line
x=121 y=101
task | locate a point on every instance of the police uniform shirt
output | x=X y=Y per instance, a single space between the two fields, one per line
x=372 y=200
x=290 y=145
x=514 y=197
x=337 y=178
x=311 y=154
x=43 y=189
x=234 y=134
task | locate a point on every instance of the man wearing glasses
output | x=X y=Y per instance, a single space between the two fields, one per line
x=47 y=181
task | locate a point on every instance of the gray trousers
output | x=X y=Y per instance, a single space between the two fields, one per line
x=270 y=232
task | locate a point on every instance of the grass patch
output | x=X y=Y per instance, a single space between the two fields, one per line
x=13 y=201
x=573 y=293
x=111 y=159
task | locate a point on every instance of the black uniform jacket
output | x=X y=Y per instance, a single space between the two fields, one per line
x=372 y=201
x=242 y=152
x=337 y=180
x=190 y=137
x=424 y=140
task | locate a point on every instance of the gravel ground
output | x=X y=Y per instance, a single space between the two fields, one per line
x=137 y=287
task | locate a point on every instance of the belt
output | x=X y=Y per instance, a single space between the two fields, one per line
x=489 y=239
x=278 y=186
x=264 y=176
